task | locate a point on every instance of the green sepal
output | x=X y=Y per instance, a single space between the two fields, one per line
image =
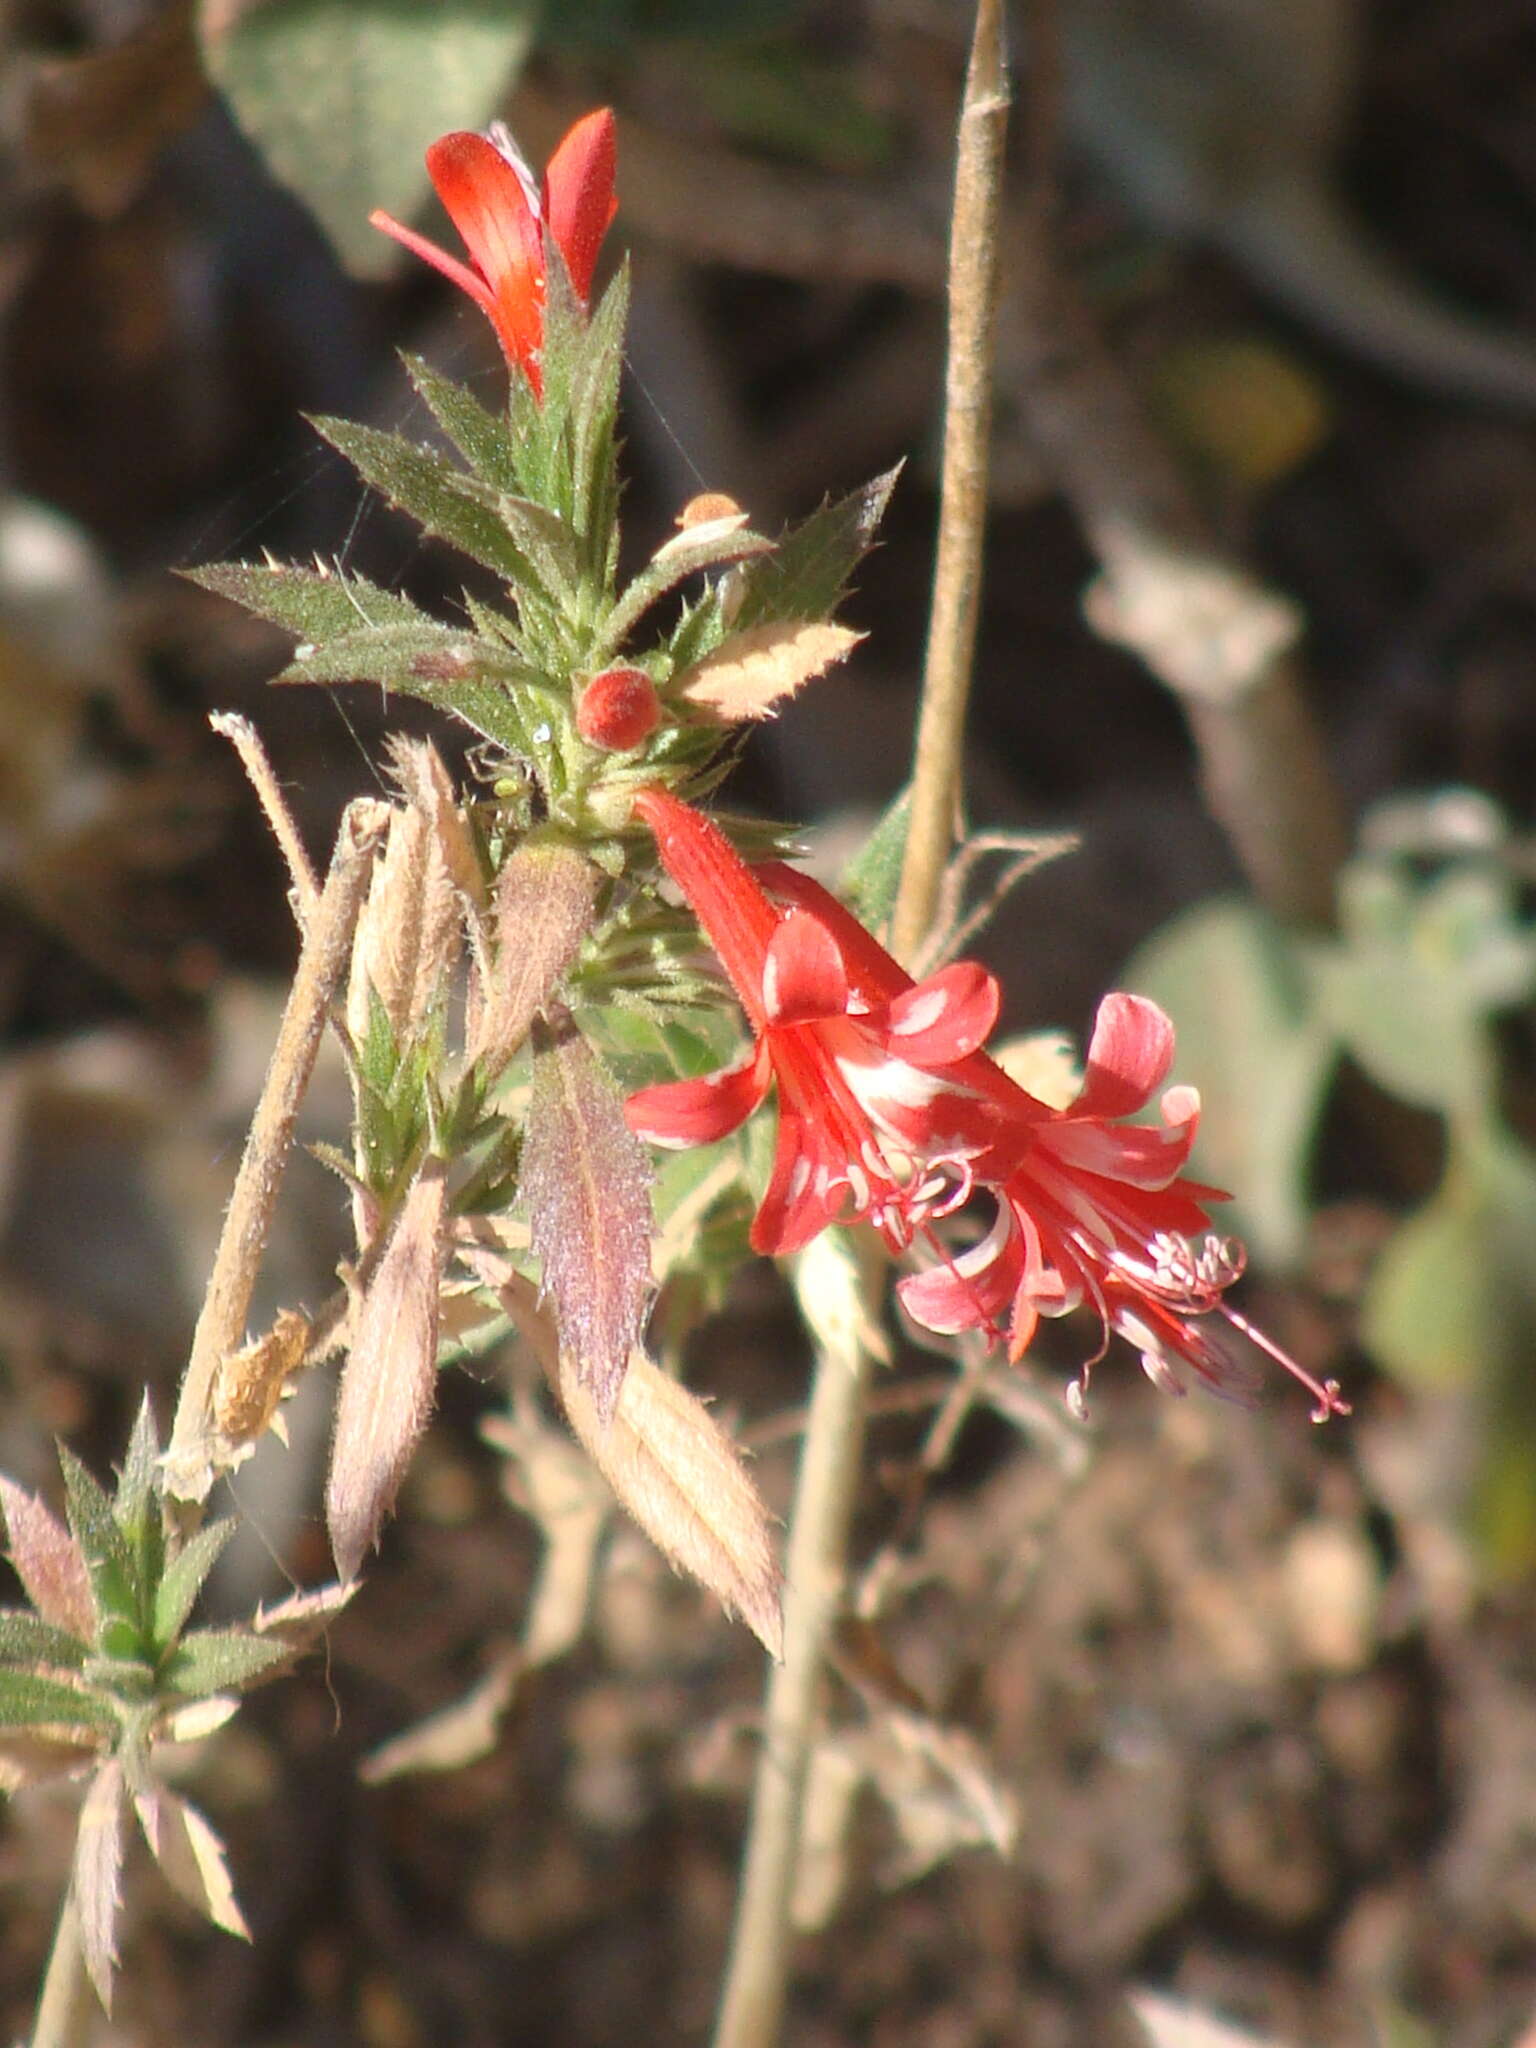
x=25 y=1638
x=209 y=1660
x=184 y=1577
x=809 y=570
x=26 y=1700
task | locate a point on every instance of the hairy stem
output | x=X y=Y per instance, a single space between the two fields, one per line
x=973 y=299
x=221 y=1324
x=838 y=1290
x=64 y=2002
x=816 y=1570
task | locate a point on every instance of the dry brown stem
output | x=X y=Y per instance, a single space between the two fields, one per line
x=190 y=1463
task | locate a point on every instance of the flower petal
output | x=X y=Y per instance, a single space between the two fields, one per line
x=874 y=976
x=484 y=198
x=680 y=1113
x=1129 y=1056
x=803 y=978
x=809 y=1188
x=947 y=1017
x=579 y=199
x=970 y=1291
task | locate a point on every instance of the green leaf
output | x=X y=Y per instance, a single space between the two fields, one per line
x=136 y=1504
x=671 y=565
x=1261 y=1058
x=1418 y=972
x=481 y=437
x=184 y=1577
x=871 y=879
x=209 y=1660
x=108 y=1556
x=342 y=96
x=809 y=570
x=586 y=1184
x=1452 y=1299
x=29 y=1701
x=446 y=501
x=449 y=667
x=316 y=604
x=25 y=1638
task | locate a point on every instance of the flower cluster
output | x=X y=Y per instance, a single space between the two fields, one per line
x=890 y=1112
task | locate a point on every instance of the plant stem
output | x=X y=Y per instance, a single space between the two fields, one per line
x=65 y=1997
x=190 y=1466
x=973 y=297
x=816 y=1569
x=837 y=1288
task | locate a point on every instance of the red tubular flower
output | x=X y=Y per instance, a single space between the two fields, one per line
x=873 y=1121
x=1094 y=1211
x=490 y=195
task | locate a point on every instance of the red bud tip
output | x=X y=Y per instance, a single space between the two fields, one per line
x=618 y=709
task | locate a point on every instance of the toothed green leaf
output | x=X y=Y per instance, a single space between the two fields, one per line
x=210 y=1660
x=316 y=604
x=25 y=1638
x=185 y=1576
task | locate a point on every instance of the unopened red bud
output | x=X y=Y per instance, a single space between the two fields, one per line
x=618 y=709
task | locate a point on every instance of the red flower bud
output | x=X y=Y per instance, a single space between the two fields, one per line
x=618 y=709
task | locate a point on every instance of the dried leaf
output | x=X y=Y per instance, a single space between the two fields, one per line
x=668 y=1461
x=390 y=1379
x=543 y=910
x=97 y=1875
x=751 y=673
x=48 y=1562
x=253 y=1382
x=424 y=782
x=409 y=935
x=586 y=1185
x=681 y=1477
x=458 y=1735
x=303 y=1618
x=190 y=1853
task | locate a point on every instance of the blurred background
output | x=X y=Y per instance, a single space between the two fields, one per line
x=1206 y=1704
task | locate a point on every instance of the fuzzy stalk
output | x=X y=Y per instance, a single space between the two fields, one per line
x=64 y=2002
x=973 y=301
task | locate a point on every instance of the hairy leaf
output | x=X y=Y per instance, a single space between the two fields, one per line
x=98 y=1874
x=210 y=1660
x=750 y=674
x=390 y=1378
x=586 y=1184
x=28 y=1700
x=25 y=1638
x=49 y=1562
x=184 y=1577
x=809 y=570
x=316 y=604
x=543 y=910
x=191 y=1856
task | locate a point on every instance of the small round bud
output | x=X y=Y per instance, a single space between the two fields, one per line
x=618 y=709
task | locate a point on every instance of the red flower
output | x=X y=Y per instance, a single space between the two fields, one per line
x=1094 y=1211
x=491 y=197
x=874 y=1120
